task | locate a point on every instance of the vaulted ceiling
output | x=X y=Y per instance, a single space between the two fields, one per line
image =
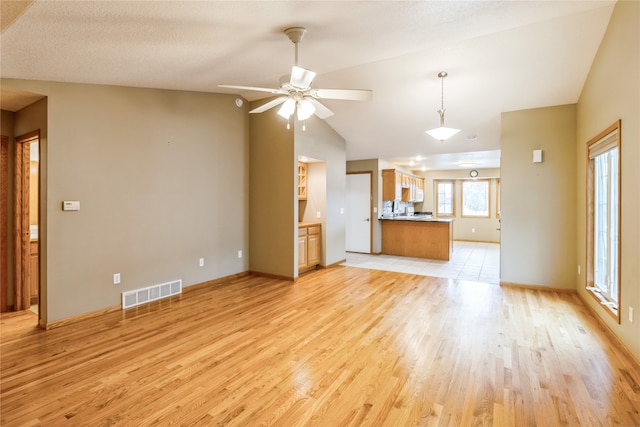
x=500 y=56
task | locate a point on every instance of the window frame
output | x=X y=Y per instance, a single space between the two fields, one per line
x=498 y=198
x=488 y=183
x=611 y=307
x=437 y=182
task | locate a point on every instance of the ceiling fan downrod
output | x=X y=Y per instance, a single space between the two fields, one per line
x=295 y=34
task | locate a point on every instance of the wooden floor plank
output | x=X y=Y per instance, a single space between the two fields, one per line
x=339 y=347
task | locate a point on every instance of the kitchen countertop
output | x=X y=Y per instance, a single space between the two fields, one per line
x=308 y=224
x=416 y=218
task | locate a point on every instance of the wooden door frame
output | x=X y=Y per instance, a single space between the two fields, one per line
x=4 y=222
x=22 y=297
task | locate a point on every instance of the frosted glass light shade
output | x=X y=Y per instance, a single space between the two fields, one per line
x=287 y=108
x=305 y=110
x=442 y=133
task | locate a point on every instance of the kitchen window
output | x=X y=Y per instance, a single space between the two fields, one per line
x=445 y=198
x=475 y=198
x=603 y=219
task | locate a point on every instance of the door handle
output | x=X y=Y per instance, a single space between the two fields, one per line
x=367 y=219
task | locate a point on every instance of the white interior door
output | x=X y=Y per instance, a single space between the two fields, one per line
x=358 y=226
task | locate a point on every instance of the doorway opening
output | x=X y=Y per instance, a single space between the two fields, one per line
x=26 y=289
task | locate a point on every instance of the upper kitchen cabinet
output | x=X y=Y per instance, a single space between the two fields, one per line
x=302 y=181
x=391 y=184
x=400 y=186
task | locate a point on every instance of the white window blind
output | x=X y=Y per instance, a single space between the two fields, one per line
x=603 y=154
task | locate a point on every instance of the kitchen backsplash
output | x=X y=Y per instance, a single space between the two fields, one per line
x=391 y=207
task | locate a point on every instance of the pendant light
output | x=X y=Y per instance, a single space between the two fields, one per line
x=442 y=133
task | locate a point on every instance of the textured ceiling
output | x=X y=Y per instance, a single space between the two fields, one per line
x=500 y=56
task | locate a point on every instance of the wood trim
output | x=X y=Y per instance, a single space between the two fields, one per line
x=79 y=318
x=22 y=298
x=28 y=137
x=92 y=314
x=606 y=329
x=4 y=223
x=272 y=276
x=497 y=198
x=589 y=244
x=335 y=264
x=537 y=287
x=215 y=282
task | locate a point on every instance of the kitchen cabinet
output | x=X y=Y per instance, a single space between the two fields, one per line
x=432 y=239
x=34 y=271
x=302 y=181
x=419 y=190
x=302 y=248
x=391 y=184
x=309 y=246
x=401 y=186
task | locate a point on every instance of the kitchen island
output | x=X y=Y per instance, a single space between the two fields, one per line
x=418 y=237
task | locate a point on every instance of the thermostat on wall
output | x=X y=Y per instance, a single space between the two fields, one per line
x=71 y=205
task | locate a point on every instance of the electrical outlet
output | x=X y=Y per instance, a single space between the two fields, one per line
x=473 y=230
x=239 y=254
x=579 y=269
x=631 y=314
x=116 y=279
x=318 y=215
x=201 y=262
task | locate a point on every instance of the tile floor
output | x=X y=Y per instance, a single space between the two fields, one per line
x=473 y=261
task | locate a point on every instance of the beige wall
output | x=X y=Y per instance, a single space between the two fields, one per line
x=273 y=190
x=7 y=120
x=162 y=179
x=538 y=199
x=320 y=141
x=612 y=92
x=486 y=229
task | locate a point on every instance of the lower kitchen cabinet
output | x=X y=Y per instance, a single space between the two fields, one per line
x=309 y=246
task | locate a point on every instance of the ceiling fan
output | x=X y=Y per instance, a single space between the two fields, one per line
x=297 y=95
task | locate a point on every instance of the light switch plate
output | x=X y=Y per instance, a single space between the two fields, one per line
x=71 y=205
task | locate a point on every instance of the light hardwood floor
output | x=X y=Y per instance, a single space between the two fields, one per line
x=340 y=347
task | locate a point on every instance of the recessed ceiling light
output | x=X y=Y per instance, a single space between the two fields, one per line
x=466 y=164
x=411 y=163
x=418 y=158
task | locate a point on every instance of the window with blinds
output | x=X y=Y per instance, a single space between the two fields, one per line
x=603 y=222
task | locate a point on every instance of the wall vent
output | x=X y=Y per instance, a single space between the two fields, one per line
x=151 y=293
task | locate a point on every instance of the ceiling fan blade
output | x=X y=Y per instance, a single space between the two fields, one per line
x=345 y=94
x=321 y=111
x=301 y=77
x=264 y=107
x=257 y=89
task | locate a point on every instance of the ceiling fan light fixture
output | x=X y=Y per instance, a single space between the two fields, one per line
x=305 y=109
x=301 y=77
x=287 y=108
x=442 y=133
